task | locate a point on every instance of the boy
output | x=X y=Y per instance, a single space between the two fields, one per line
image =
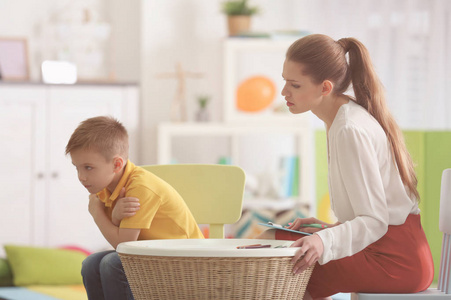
x=99 y=151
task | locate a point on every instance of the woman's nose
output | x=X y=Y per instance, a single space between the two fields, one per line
x=284 y=92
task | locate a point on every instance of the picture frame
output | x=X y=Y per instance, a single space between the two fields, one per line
x=14 y=59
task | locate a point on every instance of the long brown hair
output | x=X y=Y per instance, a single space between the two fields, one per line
x=323 y=58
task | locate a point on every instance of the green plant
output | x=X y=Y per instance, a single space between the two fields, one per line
x=203 y=101
x=238 y=8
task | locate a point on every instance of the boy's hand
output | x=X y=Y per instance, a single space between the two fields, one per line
x=95 y=205
x=125 y=207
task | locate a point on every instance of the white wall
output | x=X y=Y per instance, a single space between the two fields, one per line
x=148 y=37
x=105 y=44
x=189 y=32
x=125 y=20
x=19 y=18
x=192 y=33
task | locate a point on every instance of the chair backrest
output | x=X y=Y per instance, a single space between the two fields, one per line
x=444 y=280
x=213 y=193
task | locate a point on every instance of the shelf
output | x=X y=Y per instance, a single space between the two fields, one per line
x=262 y=143
x=245 y=58
x=303 y=142
x=270 y=204
x=216 y=128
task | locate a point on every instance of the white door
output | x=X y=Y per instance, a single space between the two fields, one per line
x=22 y=165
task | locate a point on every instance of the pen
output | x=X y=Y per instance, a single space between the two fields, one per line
x=314 y=225
x=255 y=246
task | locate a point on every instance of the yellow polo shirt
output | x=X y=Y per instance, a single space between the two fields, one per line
x=162 y=215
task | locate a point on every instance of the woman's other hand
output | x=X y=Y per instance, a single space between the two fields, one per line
x=311 y=249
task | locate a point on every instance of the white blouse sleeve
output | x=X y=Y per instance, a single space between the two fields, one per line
x=360 y=186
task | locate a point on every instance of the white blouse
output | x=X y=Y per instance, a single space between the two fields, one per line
x=366 y=190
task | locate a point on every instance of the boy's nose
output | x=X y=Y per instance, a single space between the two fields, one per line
x=81 y=178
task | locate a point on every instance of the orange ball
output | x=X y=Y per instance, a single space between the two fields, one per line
x=255 y=94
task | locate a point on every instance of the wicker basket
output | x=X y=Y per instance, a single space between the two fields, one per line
x=196 y=277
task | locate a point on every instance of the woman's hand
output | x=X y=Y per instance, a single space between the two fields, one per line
x=311 y=250
x=125 y=207
x=299 y=222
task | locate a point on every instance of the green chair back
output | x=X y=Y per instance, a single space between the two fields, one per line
x=213 y=193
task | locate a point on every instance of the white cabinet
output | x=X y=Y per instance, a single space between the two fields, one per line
x=43 y=202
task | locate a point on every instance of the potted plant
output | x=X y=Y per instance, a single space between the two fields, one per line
x=202 y=114
x=238 y=15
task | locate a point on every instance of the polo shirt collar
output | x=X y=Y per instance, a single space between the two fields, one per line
x=105 y=195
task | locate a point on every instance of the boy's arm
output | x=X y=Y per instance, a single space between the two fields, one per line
x=113 y=234
x=125 y=207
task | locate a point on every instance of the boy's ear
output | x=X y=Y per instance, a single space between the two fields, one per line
x=118 y=164
x=327 y=87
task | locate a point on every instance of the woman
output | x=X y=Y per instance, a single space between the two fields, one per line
x=378 y=244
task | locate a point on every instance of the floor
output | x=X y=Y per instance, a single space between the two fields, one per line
x=341 y=296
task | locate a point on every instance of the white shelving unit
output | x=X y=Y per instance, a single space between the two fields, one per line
x=245 y=58
x=254 y=57
x=169 y=132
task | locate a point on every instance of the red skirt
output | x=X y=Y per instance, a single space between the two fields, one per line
x=399 y=262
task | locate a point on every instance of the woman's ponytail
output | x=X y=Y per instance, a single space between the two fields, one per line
x=369 y=93
x=324 y=59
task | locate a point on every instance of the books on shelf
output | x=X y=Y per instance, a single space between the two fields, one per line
x=289 y=177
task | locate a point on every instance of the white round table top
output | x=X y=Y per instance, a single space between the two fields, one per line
x=209 y=248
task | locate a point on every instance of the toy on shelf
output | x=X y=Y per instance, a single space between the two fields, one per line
x=178 y=106
x=255 y=94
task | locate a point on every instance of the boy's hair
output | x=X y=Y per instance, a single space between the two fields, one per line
x=103 y=134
